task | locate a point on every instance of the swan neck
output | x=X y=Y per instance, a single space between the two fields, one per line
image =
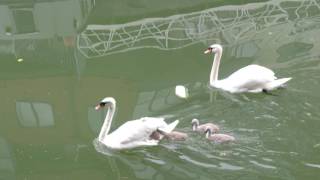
x=194 y=127
x=215 y=68
x=208 y=134
x=107 y=121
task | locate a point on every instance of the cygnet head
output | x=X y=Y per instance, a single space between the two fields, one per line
x=155 y=135
x=208 y=132
x=108 y=101
x=195 y=124
x=214 y=48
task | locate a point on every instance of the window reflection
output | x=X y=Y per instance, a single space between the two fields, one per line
x=24 y=21
x=34 y=114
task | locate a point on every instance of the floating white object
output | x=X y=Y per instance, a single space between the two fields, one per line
x=182 y=92
x=20 y=60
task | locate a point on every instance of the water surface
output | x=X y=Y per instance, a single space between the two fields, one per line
x=59 y=58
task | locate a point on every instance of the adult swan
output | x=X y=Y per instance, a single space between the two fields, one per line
x=252 y=78
x=132 y=133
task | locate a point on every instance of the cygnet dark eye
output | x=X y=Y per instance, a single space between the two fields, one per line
x=102 y=104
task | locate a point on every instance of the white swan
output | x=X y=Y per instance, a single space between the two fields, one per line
x=132 y=133
x=252 y=78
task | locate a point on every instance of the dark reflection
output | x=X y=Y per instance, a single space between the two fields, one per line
x=56 y=64
x=8 y=160
x=114 y=12
x=299 y=48
x=42 y=33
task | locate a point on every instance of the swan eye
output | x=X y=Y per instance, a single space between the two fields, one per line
x=102 y=104
x=210 y=49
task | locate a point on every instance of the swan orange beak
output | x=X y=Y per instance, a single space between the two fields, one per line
x=97 y=107
x=209 y=50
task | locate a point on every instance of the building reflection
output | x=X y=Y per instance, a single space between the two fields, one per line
x=7 y=160
x=49 y=112
x=29 y=29
x=43 y=20
x=39 y=125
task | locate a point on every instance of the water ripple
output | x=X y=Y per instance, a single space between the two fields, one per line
x=262 y=165
x=312 y=165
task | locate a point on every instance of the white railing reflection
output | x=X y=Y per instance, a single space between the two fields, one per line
x=229 y=24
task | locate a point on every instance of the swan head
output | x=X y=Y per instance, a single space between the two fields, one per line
x=195 y=124
x=214 y=48
x=108 y=101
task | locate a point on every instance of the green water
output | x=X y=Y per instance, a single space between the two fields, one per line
x=58 y=59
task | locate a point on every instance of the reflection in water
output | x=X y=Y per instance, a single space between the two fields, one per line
x=7 y=160
x=43 y=19
x=34 y=114
x=29 y=29
x=263 y=134
x=146 y=165
x=47 y=117
x=164 y=100
x=227 y=24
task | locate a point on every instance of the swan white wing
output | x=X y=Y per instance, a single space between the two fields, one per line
x=135 y=131
x=252 y=70
x=248 y=78
x=142 y=132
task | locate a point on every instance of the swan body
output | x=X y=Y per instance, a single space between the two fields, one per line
x=218 y=138
x=133 y=133
x=252 y=78
x=202 y=128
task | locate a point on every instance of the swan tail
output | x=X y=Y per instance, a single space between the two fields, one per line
x=170 y=127
x=277 y=83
